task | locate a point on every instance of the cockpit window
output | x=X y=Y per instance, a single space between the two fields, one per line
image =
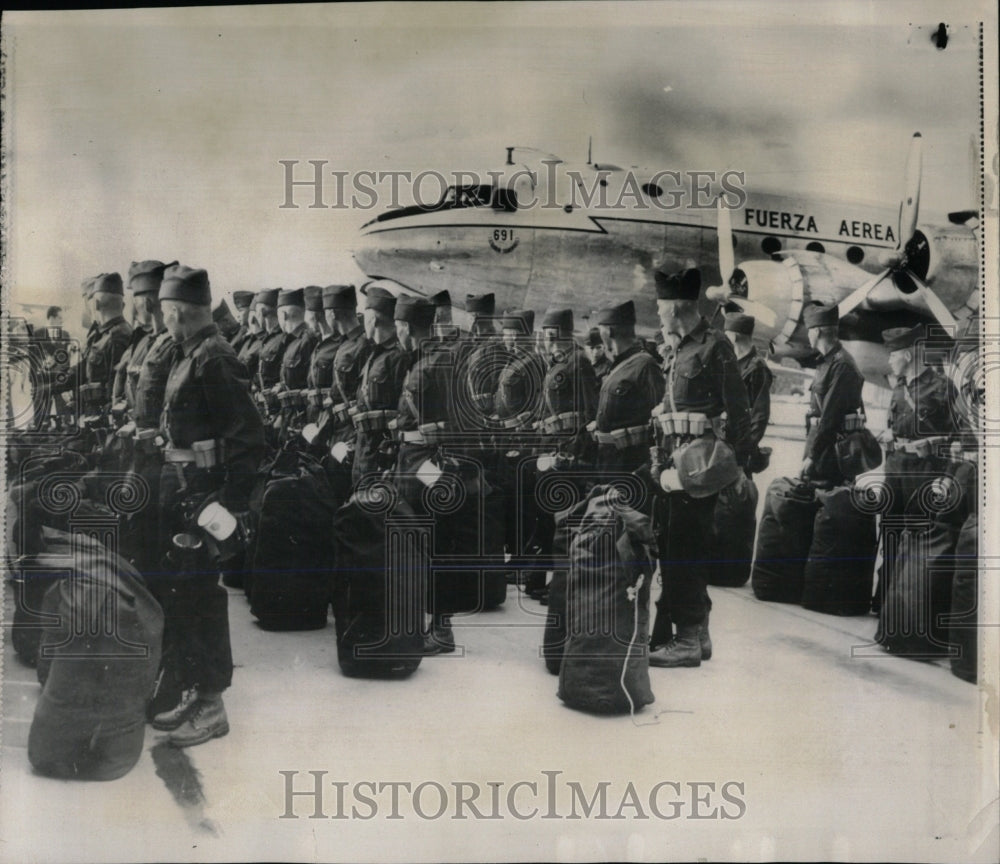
x=458 y=198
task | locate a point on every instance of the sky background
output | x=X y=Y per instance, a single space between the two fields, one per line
x=156 y=133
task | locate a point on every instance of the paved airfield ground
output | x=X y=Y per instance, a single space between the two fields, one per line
x=839 y=757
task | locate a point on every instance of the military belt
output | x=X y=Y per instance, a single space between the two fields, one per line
x=920 y=446
x=340 y=414
x=520 y=421
x=627 y=436
x=411 y=436
x=568 y=421
x=178 y=455
x=373 y=421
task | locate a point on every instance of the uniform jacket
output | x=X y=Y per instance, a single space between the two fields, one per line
x=272 y=352
x=207 y=397
x=348 y=364
x=296 y=356
x=757 y=378
x=519 y=387
x=835 y=392
x=706 y=380
x=151 y=381
x=570 y=385
x=249 y=354
x=922 y=407
x=321 y=363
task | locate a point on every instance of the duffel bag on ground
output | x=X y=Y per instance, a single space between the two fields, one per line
x=605 y=667
x=783 y=541
x=733 y=529
x=378 y=605
x=293 y=550
x=841 y=563
x=89 y=723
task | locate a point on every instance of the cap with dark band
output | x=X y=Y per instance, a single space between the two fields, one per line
x=562 y=319
x=416 y=310
x=242 y=299
x=340 y=297
x=898 y=338
x=739 y=322
x=186 y=284
x=442 y=298
x=593 y=338
x=522 y=320
x=144 y=277
x=820 y=315
x=267 y=297
x=292 y=297
x=685 y=285
x=108 y=283
x=616 y=314
x=380 y=299
x=314 y=298
x=480 y=304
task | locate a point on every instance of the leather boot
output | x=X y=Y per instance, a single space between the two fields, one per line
x=683 y=650
x=705 y=639
x=207 y=721
x=167 y=721
x=441 y=639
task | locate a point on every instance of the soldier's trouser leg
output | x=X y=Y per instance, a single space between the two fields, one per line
x=202 y=608
x=685 y=558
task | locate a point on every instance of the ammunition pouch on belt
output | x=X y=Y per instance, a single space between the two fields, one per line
x=521 y=421
x=271 y=401
x=433 y=432
x=148 y=441
x=92 y=398
x=374 y=421
x=628 y=436
x=567 y=422
x=314 y=398
x=292 y=401
x=922 y=447
x=340 y=414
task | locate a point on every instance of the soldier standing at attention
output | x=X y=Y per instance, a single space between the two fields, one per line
x=835 y=392
x=206 y=400
x=300 y=339
x=756 y=376
x=597 y=354
x=224 y=319
x=143 y=281
x=380 y=388
x=272 y=348
x=705 y=403
x=242 y=301
x=444 y=330
x=629 y=393
x=320 y=377
x=249 y=351
x=340 y=305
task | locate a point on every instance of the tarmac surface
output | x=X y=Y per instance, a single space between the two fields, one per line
x=816 y=745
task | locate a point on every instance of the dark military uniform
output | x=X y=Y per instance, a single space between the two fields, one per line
x=518 y=398
x=702 y=378
x=127 y=372
x=249 y=354
x=602 y=367
x=240 y=338
x=272 y=352
x=757 y=379
x=320 y=375
x=569 y=403
x=295 y=360
x=835 y=392
x=377 y=403
x=206 y=398
x=105 y=346
x=629 y=393
x=348 y=364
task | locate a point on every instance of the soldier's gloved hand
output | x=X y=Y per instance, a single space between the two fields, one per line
x=670 y=480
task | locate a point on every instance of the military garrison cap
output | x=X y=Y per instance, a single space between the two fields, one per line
x=616 y=313
x=108 y=283
x=480 y=304
x=559 y=318
x=242 y=299
x=380 y=299
x=593 y=338
x=186 y=284
x=267 y=297
x=222 y=315
x=87 y=286
x=739 y=322
x=340 y=297
x=898 y=338
x=314 y=298
x=292 y=297
x=685 y=285
x=522 y=320
x=416 y=310
x=820 y=315
x=442 y=298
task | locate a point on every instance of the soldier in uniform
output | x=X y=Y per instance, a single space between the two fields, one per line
x=341 y=309
x=922 y=431
x=380 y=387
x=249 y=351
x=320 y=377
x=479 y=363
x=425 y=415
x=444 y=329
x=597 y=354
x=629 y=393
x=206 y=401
x=106 y=343
x=834 y=394
x=703 y=384
x=144 y=283
x=294 y=372
x=756 y=377
x=314 y=318
x=274 y=339
x=242 y=301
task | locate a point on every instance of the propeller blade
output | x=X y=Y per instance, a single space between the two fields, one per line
x=936 y=305
x=858 y=295
x=910 y=211
x=764 y=314
x=725 y=234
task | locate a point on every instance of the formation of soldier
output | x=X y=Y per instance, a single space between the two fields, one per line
x=400 y=386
